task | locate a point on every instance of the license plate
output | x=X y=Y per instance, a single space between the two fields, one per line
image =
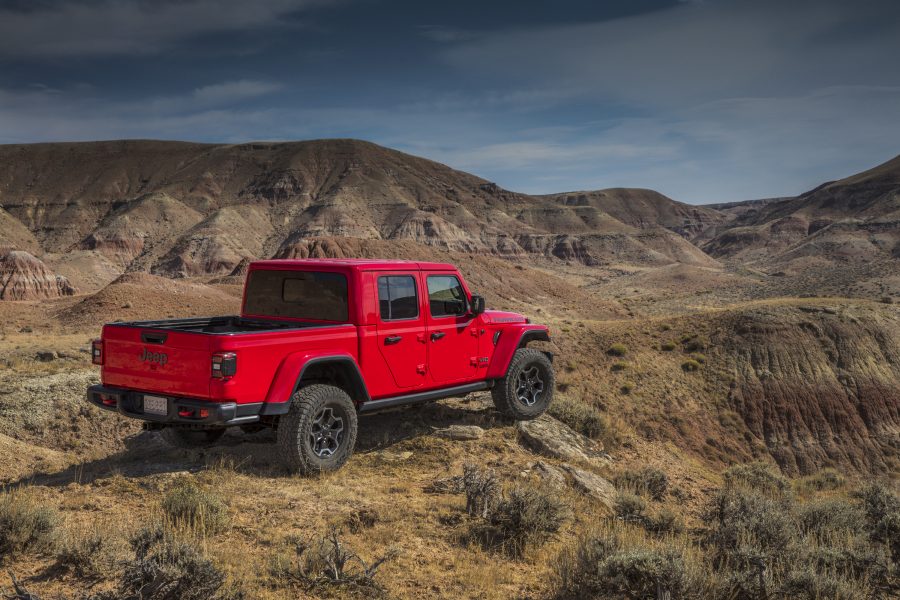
x=155 y=405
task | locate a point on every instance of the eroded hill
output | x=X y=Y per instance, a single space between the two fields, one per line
x=182 y=209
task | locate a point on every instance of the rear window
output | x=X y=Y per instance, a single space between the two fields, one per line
x=315 y=295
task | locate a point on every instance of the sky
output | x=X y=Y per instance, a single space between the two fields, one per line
x=705 y=100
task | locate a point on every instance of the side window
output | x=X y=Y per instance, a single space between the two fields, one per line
x=446 y=296
x=397 y=298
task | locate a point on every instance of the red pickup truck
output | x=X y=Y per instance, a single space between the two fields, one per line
x=317 y=343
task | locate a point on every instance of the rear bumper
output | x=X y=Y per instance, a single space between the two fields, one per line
x=180 y=411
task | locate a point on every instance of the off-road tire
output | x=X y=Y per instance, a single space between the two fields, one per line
x=506 y=391
x=179 y=437
x=296 y=429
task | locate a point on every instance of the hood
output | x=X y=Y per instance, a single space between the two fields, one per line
x=502 y=317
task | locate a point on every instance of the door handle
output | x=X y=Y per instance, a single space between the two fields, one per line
x=437 y=335
x=393 y=339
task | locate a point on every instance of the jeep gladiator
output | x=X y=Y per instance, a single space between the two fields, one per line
x=317 y=343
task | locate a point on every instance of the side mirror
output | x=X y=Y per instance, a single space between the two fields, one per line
x=477 y=304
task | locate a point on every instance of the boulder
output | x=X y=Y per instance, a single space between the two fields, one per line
x=550 y=437
x=593 y=485
x=461 y=432
x=553 y=476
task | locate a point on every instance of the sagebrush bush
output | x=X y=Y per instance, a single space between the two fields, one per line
x=756 y=476
x=648 y=481
x=188 y=504
x=580 y=416
x=482 y=490
x=89 y=553
x=629 y=507
x=601 y=566
x=663 y=522
x=627 y=387
x=821 y=518
x=525 y=516
x=696 y=344
x=667 y=346
x=166 y=567
x=745 y=525
x=327 y=562
x=25 y=524
x=882 y=509
x=619 y=365
x=826 y=479
x=617 y=350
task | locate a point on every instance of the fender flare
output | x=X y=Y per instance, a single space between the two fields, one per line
x=290 y=374
x=511 y=339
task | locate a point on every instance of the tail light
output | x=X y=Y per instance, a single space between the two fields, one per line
x=224 y=365
x=97 y=352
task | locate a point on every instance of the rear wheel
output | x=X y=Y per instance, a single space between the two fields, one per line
x=319 y=432
x=527 y=389
x=191 y=438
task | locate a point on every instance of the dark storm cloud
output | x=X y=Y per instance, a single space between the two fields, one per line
x=112 y=27
x=706 y=101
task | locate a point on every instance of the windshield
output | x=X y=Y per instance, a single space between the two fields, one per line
x=315 y=295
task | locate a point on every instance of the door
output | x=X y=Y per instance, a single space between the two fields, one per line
x=401 y=329
x=452 y=334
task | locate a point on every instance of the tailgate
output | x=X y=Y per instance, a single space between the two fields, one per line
x=173 y=363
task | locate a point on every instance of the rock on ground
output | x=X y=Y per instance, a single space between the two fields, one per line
x=593 y=485
x=461 y=432
x=550 y=474
x=550 y=437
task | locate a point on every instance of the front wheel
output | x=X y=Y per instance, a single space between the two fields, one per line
x=319 y=432
x=527 y=389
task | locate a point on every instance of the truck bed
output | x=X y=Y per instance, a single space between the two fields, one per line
x=227 y=325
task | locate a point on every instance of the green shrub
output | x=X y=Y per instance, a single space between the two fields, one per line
x=696 y=344
x=617 y=350
x=25 y=524
x=629 y=507
x=756 y=476
x=627 y=387
x=746 y=525
x=665 y=327
x=619 y=366
x=667 y=346
x=690 y=365
x=601 y=566
x=650 y=481
x=808 y=584
x=882 y=510
x=664 y=522
x=580 y=416
x=826 y=479
x=187 y=504
x=700 y=358
x=525 y=516
x=821 y=518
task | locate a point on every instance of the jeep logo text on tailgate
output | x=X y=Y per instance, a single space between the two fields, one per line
x=160 y=358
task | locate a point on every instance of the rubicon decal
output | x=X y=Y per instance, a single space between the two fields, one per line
x=160 y=358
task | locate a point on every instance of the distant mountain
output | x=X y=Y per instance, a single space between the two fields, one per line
x=95 y=210
x=644 y=209
x=853 y=220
